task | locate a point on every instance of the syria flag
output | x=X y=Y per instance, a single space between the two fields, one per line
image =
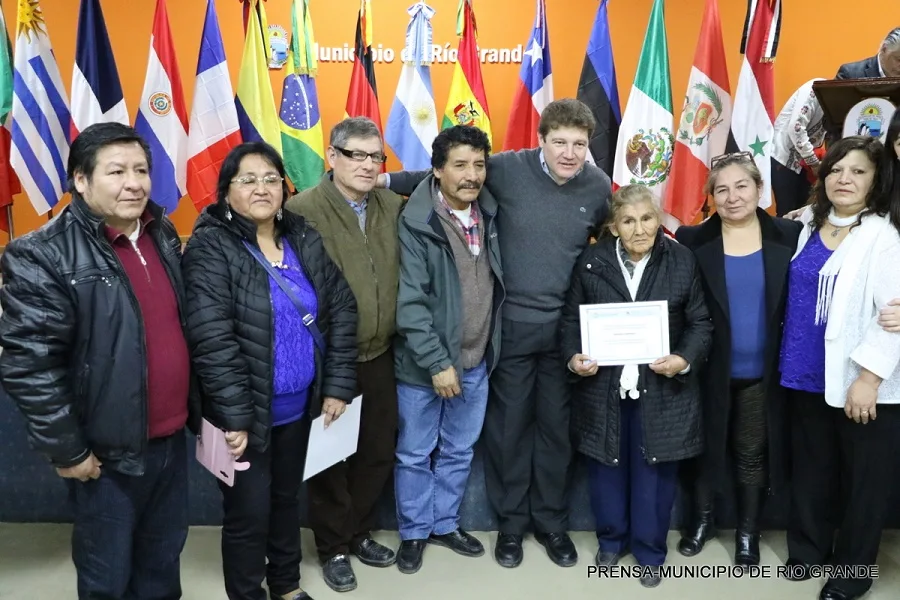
x=705 y=121
x=752 y=123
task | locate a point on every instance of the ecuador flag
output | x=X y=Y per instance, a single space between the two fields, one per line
x=467 y=104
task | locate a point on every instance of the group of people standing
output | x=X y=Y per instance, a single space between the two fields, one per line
x=454 y=316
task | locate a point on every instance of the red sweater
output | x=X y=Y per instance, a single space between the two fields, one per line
x=168 y=361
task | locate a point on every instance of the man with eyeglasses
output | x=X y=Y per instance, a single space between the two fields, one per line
x=359 y=227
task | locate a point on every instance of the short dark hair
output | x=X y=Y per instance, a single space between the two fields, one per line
x=232 y=164
x=567 y=112
x=877 y=201
x=458 y=135
x=85 y=148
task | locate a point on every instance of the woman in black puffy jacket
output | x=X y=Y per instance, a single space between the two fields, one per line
x=268 y=361
x=634 y=423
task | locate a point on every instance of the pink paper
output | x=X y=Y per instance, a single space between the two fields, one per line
x=214 y=453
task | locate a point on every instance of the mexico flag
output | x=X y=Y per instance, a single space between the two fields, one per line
x=645 y=144
x=705 y=120
x=752 y=124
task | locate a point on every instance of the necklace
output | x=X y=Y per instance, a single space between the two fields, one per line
x=839 y=223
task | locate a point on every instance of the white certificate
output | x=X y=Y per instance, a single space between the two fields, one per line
x=627 y=333
x=330 y=446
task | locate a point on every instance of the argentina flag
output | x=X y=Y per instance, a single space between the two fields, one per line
x=41 y=119
x=412 y=124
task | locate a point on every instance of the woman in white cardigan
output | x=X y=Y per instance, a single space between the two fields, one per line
x=840 y=369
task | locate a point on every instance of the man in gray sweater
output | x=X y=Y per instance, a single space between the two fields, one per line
x=451 y=289
x=549 y=204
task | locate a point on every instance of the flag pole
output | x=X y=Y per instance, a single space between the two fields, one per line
x=9 y=219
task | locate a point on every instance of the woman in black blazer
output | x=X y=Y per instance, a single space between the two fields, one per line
x=743 y=255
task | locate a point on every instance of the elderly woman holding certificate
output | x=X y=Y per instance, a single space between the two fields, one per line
x=634 y=422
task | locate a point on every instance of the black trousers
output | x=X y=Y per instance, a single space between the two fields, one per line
x=748 y=432
x=343 y=499
x=526 y=431
x=262 y=517
x=791 y=189
x=843 y=476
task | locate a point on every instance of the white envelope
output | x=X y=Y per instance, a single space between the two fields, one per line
x=328 y=447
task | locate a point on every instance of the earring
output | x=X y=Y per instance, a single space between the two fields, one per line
x=279 y=215
x=227 y=212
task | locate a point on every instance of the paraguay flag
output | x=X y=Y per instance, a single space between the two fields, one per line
x=412 y=124
x=41 y=121
x=162 y=118
x=535 y=87
x=214 y=121
x=96 y=92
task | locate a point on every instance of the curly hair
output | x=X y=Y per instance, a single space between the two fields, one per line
x=877 y=202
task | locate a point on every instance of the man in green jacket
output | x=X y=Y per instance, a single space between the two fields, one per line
x=359 y=227
x=451 y=289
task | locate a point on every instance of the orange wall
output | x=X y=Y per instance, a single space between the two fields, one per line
x=815 y=40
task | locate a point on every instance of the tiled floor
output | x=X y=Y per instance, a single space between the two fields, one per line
x=35 y=563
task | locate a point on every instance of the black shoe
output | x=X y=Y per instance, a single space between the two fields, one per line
x=608 y=559
x=746 y=536
x=371 y=553
x=652 y=577
x=409 y=557
x=559 y=547
x=508 y=552
x=301 y=595
x=832 y=592
x=459 y=541
x=796 y=570
x=701 y=530
x=338 y=574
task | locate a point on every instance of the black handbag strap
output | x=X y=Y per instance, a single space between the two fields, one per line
x=308 y=319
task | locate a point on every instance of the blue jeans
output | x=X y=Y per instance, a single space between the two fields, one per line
x=129 y=531
x=428 y=485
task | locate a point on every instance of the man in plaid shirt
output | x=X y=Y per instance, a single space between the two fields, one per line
x=448 y=302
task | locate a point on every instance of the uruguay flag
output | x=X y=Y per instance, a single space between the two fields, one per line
x=214 y=121
x=162 y=118
x=40 y=112
x=412 y=124
x=535 y=90
x=96 y=92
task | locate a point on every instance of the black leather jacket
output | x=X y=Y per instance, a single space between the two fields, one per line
x=74 y=359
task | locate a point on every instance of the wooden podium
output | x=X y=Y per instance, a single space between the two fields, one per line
x=838 y=96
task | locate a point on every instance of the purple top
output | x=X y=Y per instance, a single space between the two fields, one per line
x=803 y=343
x=294 y=367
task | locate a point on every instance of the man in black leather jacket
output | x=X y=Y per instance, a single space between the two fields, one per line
x=94 y=355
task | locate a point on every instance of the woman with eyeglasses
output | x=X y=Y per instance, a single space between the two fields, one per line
x=840 y=368
x=744 y=255
x=271 y=324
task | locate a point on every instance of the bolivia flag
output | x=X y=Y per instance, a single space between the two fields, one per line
x=467 y=104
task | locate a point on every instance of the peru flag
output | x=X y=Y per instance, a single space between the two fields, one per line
x=214 y=121
x=535 y=89
x=162 y=119
x=96 y=92
x=705 y=120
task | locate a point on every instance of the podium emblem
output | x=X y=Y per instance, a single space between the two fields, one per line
x=870 y=117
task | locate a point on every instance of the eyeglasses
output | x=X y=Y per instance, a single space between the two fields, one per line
x=732 y=157
x=360 y=156
x=252 y=181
